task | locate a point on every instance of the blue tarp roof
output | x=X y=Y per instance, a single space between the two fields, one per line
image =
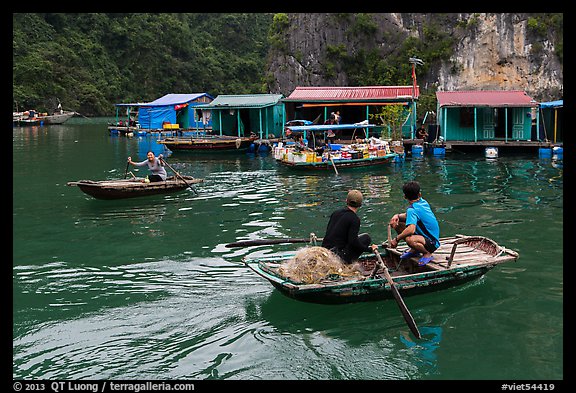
x=176 y=99
x=170 y=99
x=552 y=104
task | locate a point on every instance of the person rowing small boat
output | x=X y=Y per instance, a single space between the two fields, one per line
x=154 y=164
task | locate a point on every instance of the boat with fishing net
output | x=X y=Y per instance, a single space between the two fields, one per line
x=316 y=275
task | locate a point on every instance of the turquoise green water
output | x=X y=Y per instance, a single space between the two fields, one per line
x=145 y=289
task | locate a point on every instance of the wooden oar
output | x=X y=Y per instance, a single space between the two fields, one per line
x=334 y=165
x=126 y=171
x=179 y=175
x=262 y=242
x=405 y=312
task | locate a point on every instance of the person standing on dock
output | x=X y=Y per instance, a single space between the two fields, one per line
x=342 y=231
x=418 y=226
x=155 y=166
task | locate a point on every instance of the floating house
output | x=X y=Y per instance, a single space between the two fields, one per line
x=176 y=110
x=487 y=118
x=355 y=104
x=245 y=114
x=551 y=121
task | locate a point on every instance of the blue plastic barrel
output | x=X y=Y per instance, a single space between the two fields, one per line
x=417 y=150
x=544 y=152
x=438 y=151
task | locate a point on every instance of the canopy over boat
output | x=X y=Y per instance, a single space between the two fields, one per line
x=326 y=127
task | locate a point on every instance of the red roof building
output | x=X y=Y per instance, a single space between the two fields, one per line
x=483 y=98
x=360 y=95
x=486 y=116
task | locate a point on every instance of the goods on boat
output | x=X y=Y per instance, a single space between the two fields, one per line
x=366 y=152
x=458 y=260
x=134 y=187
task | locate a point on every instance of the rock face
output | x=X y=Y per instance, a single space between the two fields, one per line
x=490 y=51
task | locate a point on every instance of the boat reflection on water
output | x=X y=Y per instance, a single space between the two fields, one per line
x=424 y=349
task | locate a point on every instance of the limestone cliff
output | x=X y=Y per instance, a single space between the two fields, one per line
x=479 y=51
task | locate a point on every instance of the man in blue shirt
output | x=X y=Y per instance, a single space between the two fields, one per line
x=418 y=226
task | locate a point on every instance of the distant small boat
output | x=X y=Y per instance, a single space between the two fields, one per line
x=207 y=143
x=33 y=118
x=57 y=117
x=134 y=187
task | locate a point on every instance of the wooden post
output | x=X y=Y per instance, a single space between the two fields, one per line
x=260 y=118
x=506 y=125
x=475 y=124
x=555 y=122
x=445 y=121
x=238 y=122
x=220 y=119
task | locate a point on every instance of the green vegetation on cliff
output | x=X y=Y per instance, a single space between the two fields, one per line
x=91 y=61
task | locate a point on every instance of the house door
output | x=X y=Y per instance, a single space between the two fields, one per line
x=517 y=123
x=488 y=124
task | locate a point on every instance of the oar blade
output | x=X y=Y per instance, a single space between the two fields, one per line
x=405 y=312
x=401 y=305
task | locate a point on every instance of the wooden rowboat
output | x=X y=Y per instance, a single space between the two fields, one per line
x=207 y=143
x=459 y=259
x=134 y=187
x=58 y=117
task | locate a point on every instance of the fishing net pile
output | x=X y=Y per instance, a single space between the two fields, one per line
x=312 y=265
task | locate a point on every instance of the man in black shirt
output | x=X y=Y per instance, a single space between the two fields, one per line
x=342 y=231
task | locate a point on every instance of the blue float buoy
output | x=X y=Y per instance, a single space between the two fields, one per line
x=558 y=152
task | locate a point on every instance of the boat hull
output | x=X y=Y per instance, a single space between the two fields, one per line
x=57 y=118
x=132 y=188
x=378 y=289
x=206 y=144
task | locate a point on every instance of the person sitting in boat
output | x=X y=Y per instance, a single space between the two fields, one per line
x=330 y=135
x=299 y=143
x=342 y=231
x=154 y=164
x=418 y=226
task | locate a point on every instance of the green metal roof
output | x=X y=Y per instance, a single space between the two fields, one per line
x=239 y=101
